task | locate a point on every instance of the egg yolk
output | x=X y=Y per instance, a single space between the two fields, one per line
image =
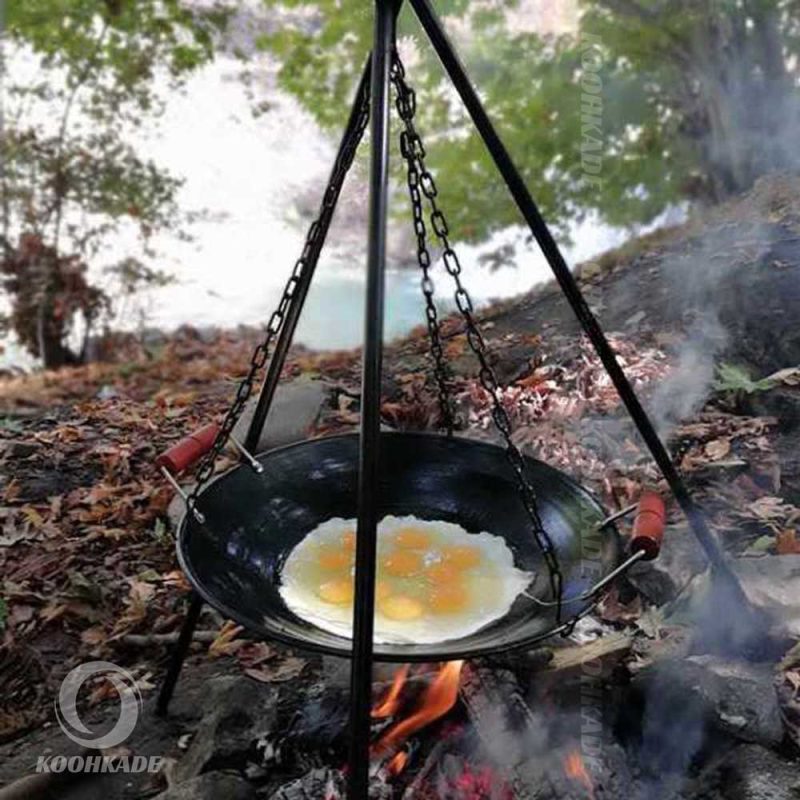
x=338 y=592
x=412 y=538
x=349 y=540
x=334 y=559
x=448 y=599
x=462 y=556
x=442 y=572
x=382 y=591
x=402 y=563
x=400 y=607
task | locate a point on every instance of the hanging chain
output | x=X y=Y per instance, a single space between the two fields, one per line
x=421 y=180
x=410 y=143
x=260 y=355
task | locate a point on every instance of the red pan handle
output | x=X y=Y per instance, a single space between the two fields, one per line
x=182 y=455
x=648 y=525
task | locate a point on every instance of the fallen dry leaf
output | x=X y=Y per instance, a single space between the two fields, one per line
x=251 y=654
x=789 y=376
x=717 y=449
x=226 y=643
x=786 y=543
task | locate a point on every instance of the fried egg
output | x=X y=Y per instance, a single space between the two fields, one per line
x=436 y=581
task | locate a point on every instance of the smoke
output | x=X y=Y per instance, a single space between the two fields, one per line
x=673 y=731
x=713 y=285
x=686 y=389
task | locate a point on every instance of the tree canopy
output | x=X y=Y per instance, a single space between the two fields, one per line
x=83 y=78
x=698 y=99
x=640 y=106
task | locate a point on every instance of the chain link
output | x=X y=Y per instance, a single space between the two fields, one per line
x=421 y=181
x=205 y=468
x=410 y=147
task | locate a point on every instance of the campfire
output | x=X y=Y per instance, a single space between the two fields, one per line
x=435 y=701
x=453 y=767
x=431 y=730
x=575 y=768
x=605 y=715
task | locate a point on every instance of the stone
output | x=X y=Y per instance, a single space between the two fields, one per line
x=211 y=786
x=295 y=408
x=751 y=772
x=782 y=402
x=736 y=697
x=239 y=713
x=772 y=584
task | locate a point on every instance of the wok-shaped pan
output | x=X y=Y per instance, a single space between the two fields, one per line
x=253 y=521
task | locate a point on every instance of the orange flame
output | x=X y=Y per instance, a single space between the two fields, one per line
x=398 y=763
x=391 y=702
x=576 y=769
x=437 y=700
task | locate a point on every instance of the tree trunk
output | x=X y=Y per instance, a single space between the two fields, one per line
x=747 y=100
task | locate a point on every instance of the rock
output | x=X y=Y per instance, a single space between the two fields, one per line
x=772 y=583
x=240 y=712
x=295 y=408
x=782 y=402
x=211 y=786
x=737 y=698
x=751 y=772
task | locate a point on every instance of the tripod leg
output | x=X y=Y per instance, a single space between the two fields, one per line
x=179 y=654
x=369 y=439
x=353 y=133
x=570 y=288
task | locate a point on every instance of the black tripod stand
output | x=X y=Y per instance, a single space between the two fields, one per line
x=372 y=105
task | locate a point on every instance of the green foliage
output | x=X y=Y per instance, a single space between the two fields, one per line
x=85 y=79
x=737 y=380
x=698 y=99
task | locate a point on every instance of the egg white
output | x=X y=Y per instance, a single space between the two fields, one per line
x=493 y=585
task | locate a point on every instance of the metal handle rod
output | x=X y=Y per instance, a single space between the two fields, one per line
x=598 y=587
x=286 y=335
x=188 y=502
x=569 y=286
x=623 y=512
x=368 y=474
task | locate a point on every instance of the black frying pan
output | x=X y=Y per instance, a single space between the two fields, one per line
x=257 y=519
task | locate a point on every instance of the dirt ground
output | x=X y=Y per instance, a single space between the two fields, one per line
x=87 y=560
